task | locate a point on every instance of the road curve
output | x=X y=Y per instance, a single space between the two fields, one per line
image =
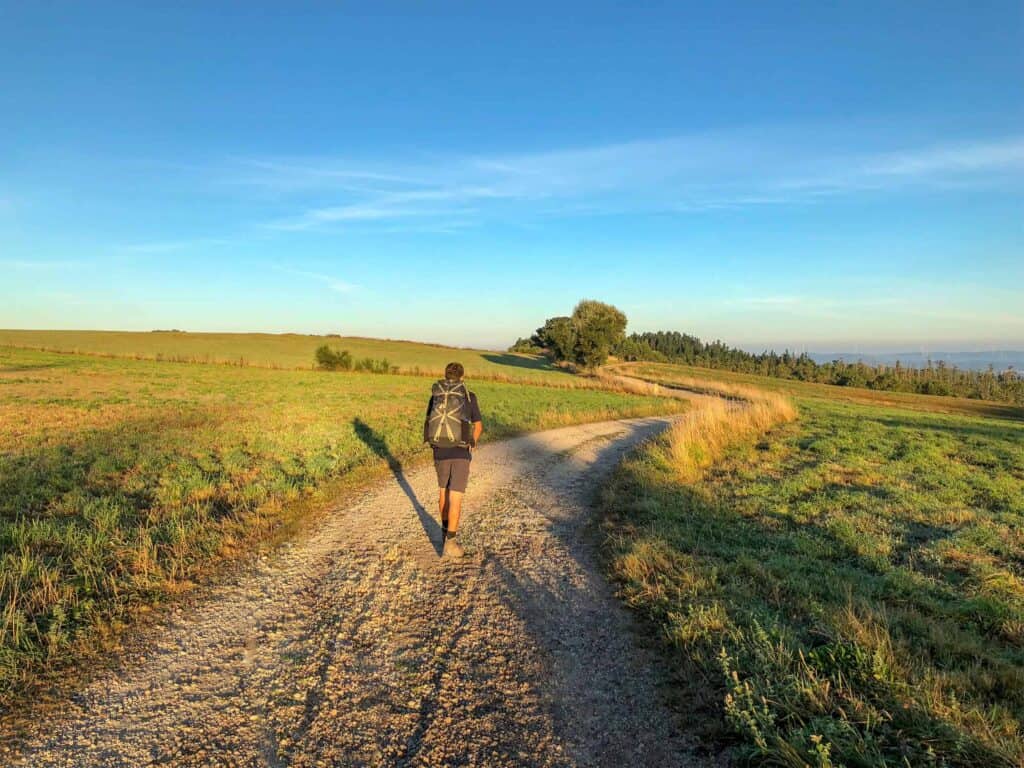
x=357 y=645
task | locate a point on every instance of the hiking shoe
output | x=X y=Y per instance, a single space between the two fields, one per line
x=452 y=548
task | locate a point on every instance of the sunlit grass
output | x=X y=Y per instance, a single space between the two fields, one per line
x=291 y=350
x=692 y=377
x=847 y=587
x=122 y=481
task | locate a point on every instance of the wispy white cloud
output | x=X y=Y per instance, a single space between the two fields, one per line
x=379 y=210
x=172 y=246
x=679 y=175
x=312 y=172
x=333 y=283
x=38 y=265
x=768 y=301
x=440 y=202
x=1002 y=155
x=811 y=305
x=107 y=302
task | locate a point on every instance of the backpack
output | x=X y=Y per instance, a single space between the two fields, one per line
x=449 y=425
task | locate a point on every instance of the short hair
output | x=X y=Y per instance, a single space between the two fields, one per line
x=454 y=371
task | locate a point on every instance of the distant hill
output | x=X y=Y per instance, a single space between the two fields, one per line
x=976 y=361
x=287 y=350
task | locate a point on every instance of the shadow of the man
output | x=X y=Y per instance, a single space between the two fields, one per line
x=379 y=446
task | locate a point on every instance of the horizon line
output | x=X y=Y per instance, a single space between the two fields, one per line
x=801 y=348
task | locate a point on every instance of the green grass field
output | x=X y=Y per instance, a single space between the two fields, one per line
x=121 y=481
x=666 y=373
x=847 y=589
x=290 y=350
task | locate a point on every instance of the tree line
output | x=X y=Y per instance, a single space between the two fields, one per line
x=935 y=378
x=595 y=330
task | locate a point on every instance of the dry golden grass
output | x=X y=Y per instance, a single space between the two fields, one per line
x=698 y=379
x=629 y=384
x=736 y=413
x=702 y=438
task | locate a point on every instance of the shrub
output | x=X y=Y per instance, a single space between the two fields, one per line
x=558 y=335
x=528 y=346
x=370 y=365
x=631 y=349
x=333 y=359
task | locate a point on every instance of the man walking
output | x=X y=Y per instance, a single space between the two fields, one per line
x=452 y=427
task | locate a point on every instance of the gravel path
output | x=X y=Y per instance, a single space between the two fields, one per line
x=358 y=646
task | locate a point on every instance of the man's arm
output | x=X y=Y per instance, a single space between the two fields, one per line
x=478 y=422
x=426 y=422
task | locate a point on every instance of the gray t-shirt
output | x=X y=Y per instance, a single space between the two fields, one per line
x=458 y=452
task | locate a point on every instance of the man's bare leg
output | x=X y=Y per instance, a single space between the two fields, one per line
x=454 y=510
x=442 y=508
x=452 y=548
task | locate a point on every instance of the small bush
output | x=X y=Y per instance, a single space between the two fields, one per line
x=333 y=359
x=370 y=365
x=527 y=346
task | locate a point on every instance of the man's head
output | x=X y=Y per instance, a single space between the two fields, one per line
x=454 y=371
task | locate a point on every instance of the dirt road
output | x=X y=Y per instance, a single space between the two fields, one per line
x=358 y=646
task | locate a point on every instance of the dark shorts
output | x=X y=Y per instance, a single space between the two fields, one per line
x=452 y=474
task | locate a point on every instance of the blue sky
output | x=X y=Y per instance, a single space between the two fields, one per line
x=798 y=175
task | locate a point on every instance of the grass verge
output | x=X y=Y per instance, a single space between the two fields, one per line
x=845 y=589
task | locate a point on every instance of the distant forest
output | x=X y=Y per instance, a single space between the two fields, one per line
x=932 y=379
